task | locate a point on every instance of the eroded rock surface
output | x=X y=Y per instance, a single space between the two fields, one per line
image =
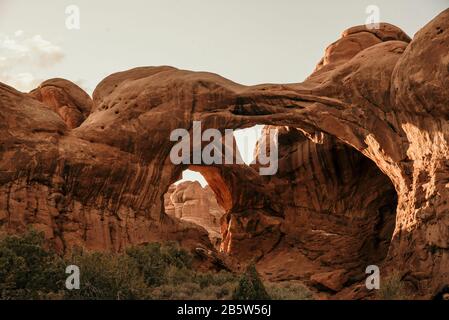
x=376 y=121
x=189 y=201
x=65 y=98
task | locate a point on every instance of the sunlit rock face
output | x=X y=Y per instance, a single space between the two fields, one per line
x=368 y=129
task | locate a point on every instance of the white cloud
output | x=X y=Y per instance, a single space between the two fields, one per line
x=22 y=81
x=20 y=56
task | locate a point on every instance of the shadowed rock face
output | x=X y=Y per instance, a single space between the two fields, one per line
x=377 y=103
x=337 y=214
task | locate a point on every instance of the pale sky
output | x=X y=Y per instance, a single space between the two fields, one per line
x=247 y=41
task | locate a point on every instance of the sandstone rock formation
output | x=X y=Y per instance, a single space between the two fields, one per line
x=189 y=201
x=65 y=98
x=369 y=129
x=70 y=188
x=331 y=208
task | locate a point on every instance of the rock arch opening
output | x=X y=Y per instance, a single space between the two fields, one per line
x=328 y=207
x=192 y=200
x=246 y=141
x=203 y=194
x=339 y=211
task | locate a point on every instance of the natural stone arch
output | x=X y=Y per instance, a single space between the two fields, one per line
x=356 y=99
x=375 y=98
x=193 y=201
x=334 y=228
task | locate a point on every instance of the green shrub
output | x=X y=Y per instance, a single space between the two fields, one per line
x=205 y=279
x=288 y=291
x=27 y=271
x=155 y=260
x=186 y=284
x=107 y=276
x=250 y=286
x=152 y=271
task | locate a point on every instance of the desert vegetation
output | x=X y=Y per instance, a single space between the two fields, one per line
x=29 y=270
x=393 y=288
